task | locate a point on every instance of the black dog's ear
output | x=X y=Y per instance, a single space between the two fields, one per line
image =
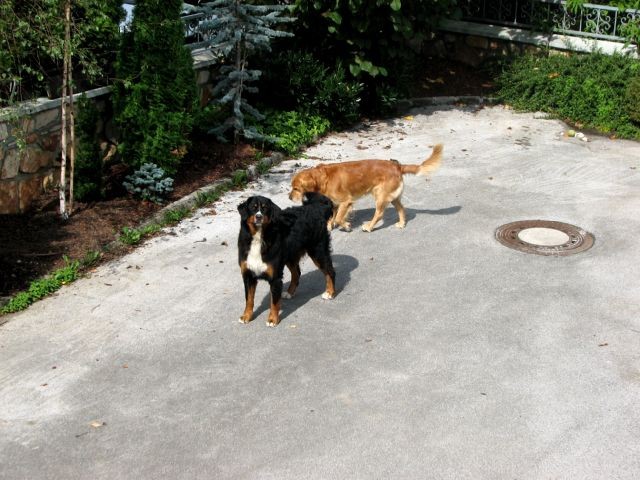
x=243 y=208
x=275 y=210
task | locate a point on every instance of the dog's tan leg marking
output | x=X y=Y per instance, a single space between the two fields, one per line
x=248 y=308
x=330 y=291
x=341 y=215
x=401 y=213
x=274 y=315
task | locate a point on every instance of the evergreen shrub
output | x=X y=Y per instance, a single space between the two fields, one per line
x=156 y=95
x=590 y=90
x=149 y=183
x=88 y=179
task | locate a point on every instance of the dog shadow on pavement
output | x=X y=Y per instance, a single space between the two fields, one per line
x=390 y=217
x=312 y=285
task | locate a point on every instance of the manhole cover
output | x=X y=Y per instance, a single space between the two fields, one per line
x=544 y=237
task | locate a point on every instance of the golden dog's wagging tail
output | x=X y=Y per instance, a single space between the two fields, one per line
x=429 y=165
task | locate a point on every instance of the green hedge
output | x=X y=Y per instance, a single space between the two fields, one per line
x=589 y=90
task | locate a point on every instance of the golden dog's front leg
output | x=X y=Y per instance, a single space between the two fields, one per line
x=341 y=215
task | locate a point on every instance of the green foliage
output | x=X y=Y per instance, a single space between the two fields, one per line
x=237 y=30
x=42 y=287
x=31 y=45
x=88 y=182
x=175 y=215
x=585 y=89
x=156 y=92
x=149 y=183
x=632 y=99
x=239 y=178
x=296 y=80
x=373 y=37
x=263 y=167
x=208 y=117
x=133 y=236
x=293 y=130
x=205 y=198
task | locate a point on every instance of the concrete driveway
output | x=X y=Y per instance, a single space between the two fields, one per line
x=444 y=355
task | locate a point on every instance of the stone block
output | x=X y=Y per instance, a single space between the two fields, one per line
x=29 y=188
x=4 y=131
x=203 y=77
x=51 y=142
x=470 y=56
x=9 y=203
x=477 y=42
x=46 y=118
x=33 y=159
x=32 y=138
x=10 y=164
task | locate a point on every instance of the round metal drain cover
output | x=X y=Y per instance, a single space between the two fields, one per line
x=544 y=237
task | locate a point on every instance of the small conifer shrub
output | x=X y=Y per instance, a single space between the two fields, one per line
x=236 y=31
x=149 y=183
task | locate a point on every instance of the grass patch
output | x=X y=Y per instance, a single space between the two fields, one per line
x=42 y=287
x=587 y=90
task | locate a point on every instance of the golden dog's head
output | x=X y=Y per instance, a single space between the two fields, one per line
x=304 y=181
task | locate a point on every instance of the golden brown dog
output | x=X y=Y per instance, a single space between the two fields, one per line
x=345 y=182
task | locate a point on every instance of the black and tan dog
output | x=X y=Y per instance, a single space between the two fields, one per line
x=271 y=238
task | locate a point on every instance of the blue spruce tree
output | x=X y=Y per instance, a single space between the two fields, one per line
x=236 y=31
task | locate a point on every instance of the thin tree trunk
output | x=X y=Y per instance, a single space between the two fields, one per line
x=72 y=132
x=65 y=91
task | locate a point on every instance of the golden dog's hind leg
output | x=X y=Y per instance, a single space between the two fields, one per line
x=381 y=204
x=401 y=213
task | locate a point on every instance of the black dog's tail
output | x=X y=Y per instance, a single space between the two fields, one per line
x=315 y=198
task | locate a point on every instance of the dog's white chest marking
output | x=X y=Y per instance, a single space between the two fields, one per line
x=254 y=259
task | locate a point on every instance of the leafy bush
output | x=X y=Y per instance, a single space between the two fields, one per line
x=156 y=96
x=293 y=130
x=149 y=183
x=296 y=80
x=584 y=89
x=632 y=99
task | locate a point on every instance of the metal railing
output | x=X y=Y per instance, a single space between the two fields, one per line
x=593 y=21
x=196 y=37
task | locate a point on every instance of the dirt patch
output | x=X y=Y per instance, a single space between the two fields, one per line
x=37 y=243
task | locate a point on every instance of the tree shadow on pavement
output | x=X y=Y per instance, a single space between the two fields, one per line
x=312 y=284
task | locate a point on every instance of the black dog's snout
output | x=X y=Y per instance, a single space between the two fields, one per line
x=258 y=215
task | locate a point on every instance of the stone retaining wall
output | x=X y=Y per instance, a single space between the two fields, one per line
x=30 y=140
